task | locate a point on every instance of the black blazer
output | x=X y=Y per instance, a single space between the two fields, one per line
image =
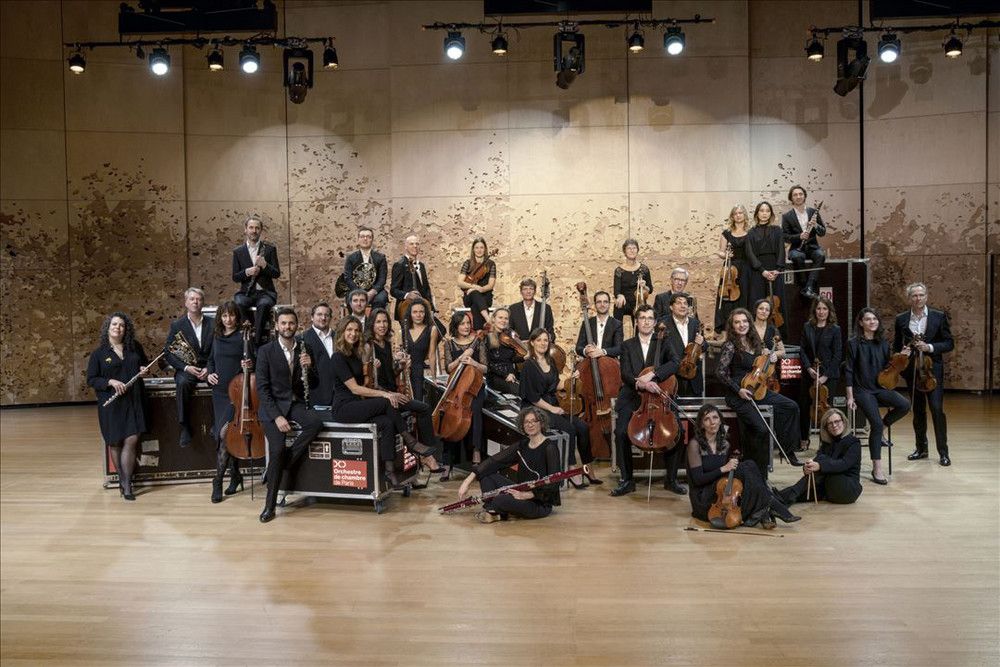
x=937 y=334
x=322 y=393
x=791 y=228
x=265 y=279
x=204 y=351
x=402 y=281
x=610 y=343
x=632 y=363
x=661 y=305
x=827 y=344
x=676 y=344
x=381 y=270
x=277 y=387
x=519 y=319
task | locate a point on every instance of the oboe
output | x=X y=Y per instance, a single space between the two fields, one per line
x=300 y=347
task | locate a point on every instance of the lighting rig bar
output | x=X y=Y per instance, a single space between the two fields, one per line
x=859 y=30
x=202 y=42
x=607 y=23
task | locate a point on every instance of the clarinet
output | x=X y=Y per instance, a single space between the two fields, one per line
x=252 y=285
x=300 y=347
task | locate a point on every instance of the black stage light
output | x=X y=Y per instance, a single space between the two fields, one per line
x=673 y=40
x=636 y=42
x=77 y=63
x=571 y=64
x=249 y=59
x=454 y=45
x=953 y=47
x=298 y=67
x=159 y=61
x=888 y=48
x=215 y=60
x=814 y=50
x=500 y=45
x=330 y=57
x=850 y=72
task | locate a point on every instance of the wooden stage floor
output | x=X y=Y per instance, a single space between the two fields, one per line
x=910 y=575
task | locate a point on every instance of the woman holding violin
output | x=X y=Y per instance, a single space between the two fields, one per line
x=420 y=339
x=821 y=340
x=392 y=374
x=476 y=280
x=766 y=253
x=539 y=384
x=867 y=355
x=733 y=246
x=710 y=459
x=462 y=347
x=766 y=331
x=837 y=466
x=632 y=284
x=225 y=363
x=357 y=400
x=743 y=350
x=503 y=352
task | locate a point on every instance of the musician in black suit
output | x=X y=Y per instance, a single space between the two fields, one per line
x=319 y=339
x=605 y=331
x=282 y=389
x=526 y=314
x=409 y=275
x=935 y=339
x=684 y=328
x=378 y=270
x=197 y=330
x=255 y=266
x=803 y=244
x=637 y=353
x=678 y=283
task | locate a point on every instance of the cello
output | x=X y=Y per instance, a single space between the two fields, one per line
x=558 y=354
x=653 y=425
x=245 y=441
x=600 y=381
x=452 y=416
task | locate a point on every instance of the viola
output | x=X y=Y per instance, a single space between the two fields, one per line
x=404 y=384
x=691 y=357
x=507 y=339
x=600 y=381
x=729 y=282
x=819 y=394
x=654 y=425
x=777 y=319
x=481 y=270
x=570 y=398
x=641 y=289
x=403 y=305
x=888 y=377
x=452 y=416
x=244 y=434
x=725 y=512
x=757 y=380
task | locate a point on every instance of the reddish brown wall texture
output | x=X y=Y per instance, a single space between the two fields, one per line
x=118 y=189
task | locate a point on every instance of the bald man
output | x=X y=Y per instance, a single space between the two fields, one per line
x=409 y=274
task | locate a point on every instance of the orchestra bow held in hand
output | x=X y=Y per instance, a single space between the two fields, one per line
x=621 y=393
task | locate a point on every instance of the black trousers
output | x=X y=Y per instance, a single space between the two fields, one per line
x=839 y=489
x=185 y=384
x=623 y=446
x=798 y=259
x=934 y=399
x=381 y=300
x=869 y=402
x=500 y=384
x=281 y=458
x=425 y=427
x=805 y=403
x=261 y=317
x=477 y=302
x=379 y=412
x=755 y=436
x=505 y=503
x=579 y=435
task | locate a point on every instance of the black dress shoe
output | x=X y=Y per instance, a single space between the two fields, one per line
x=916 y=455
x=235 y=484
x=875 y=479
x=216 y=489
x=945 y=461
x=267 y=514
x=625 y=487
x=676 y=487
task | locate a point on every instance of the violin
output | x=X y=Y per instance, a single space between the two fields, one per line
x=654 y=425
x=689 y=362
x=923 y=367
x=555 y=351
x=757 y=380
x=819 y=394
x=570 y=398
x=507 y=339
x=729 y=282
x=452 y=416
x=368 y=365
x=403 y=305
x=600 y=381
x=404 y=384
x=725 y=513
x=481 y=270
x=246 y=441
x=888 y=377
x=641 y=289
x=777 y=319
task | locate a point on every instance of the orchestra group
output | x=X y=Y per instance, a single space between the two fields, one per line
x=390 y=339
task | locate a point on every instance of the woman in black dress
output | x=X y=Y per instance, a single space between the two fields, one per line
x=354 y=403
x=734 y=242
x=710 y=457
x=226 y=363
x=119 y=357
x=539 y=383
x=821 y=340
x=627 y=277
x=461 y=347
x=766 y=331
x=535 y=457
x=478 y=296
x=742 y=346
x=837 y=465
x=501 y=360
x=766 y=253
x=420 y=340
x=867 y=354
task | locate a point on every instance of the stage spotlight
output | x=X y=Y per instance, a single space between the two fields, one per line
x=330 y=57
x=249 y=59
x=952 y=48
x=888 y=48
x=159 y=61
x=77 y=63
x=636 y=42
x=673 y=40
x=454 y=45
x=570 y=65
x=215 y=60
x=298 y=67
x=814 y=50
x=500 y=45
x=850 y=72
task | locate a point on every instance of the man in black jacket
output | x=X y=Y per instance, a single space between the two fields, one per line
x=526 y=314
x=678 y=283
x=368 y=264
x=409 y=275
x=197 y=331
x=285 y=374
x=803 y=243
x=255 y=266
x=933 y=338
x=684 y=328
x=319 y=340
x=605 y=331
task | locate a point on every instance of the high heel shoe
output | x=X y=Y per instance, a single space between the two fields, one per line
x=882 y=481
x=591 y=478
x=127 y=495
x=235 y=484
x=447 y=475
x=576 y=485
x=425 y=465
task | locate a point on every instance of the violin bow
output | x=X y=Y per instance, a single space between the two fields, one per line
x=771 y=432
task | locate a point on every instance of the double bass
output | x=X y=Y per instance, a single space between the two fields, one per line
x=654 y=425
x=600 y=381
x=244 y=437
x=558 y=354
x=452 y=416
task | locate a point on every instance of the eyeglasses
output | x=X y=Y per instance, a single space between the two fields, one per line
x=530 y=420
x=836 y=420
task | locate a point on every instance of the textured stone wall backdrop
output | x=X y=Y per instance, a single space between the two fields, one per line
x=119 y=189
